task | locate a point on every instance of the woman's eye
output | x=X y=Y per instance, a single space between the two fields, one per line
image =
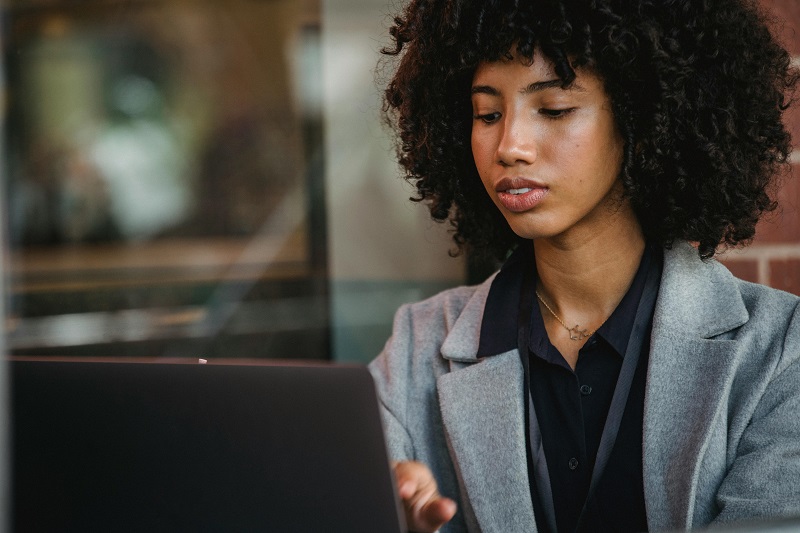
x=488 y=118
x=556 y=113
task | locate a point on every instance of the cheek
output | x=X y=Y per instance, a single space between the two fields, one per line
x=476 y=146
x=480 y=153
x=613 y=143
x=611 y=153
x=599 y=147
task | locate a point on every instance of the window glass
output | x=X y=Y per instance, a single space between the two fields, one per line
x=164 y=179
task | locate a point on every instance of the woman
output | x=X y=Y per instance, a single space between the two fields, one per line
x=612 y=376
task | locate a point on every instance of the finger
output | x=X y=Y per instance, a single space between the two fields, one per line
x=426 y=510
x=409 y=477
x=437 y=512
x=406 y=489
x=416 y=486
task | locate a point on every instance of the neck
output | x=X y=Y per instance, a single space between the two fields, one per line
x=585 y=277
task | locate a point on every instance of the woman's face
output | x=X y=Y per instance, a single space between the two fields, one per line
x=549 y=157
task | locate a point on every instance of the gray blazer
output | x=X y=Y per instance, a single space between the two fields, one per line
x=721 y=416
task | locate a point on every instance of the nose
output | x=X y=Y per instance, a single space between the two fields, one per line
x=517 y=142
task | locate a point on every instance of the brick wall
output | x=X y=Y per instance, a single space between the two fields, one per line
x=774 y=257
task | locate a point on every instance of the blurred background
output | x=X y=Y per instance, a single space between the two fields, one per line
x=196 y=178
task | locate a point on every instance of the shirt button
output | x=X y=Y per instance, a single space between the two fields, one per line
x=586 y=390
x=573 y=464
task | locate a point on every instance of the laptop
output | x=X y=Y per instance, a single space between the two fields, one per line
x=136 y=446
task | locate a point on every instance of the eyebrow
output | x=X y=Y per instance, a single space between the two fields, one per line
x=534 y=87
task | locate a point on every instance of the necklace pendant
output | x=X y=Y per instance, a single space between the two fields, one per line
x=577 y=334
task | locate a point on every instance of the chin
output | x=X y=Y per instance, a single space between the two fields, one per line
x=531 y=230
x=532 y=235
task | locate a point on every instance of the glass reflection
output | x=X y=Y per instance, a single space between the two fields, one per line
x=165 y=178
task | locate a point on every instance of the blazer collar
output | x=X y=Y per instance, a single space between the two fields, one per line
x=701 y=299
x=461 y=342
x=484 y=419
x=692 y=364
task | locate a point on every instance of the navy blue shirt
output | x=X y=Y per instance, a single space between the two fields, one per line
x=572 y=407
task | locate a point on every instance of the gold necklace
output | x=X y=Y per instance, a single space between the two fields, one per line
x=575 y=333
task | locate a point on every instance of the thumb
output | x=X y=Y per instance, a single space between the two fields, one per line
x=425 y=509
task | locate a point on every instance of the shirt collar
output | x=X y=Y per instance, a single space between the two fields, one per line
x=616 y=331
x=499 y=323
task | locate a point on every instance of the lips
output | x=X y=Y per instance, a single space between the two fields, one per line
x=520 y=194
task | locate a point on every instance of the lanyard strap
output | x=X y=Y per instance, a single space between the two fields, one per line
x=639 y=332
x=541 y=475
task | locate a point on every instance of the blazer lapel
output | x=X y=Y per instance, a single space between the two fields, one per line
x=690 y=372
x=483 y=416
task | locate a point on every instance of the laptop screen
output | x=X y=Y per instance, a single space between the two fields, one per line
x=177 y=447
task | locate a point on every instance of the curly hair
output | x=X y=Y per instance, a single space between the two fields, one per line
x=697 y=88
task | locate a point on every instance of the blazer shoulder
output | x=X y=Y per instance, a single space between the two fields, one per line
x=774 y=313
x=766 y=304
x=754 y=293
x=415 y=352
x=437 y=316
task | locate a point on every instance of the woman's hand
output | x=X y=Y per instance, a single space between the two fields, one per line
x=426 y=510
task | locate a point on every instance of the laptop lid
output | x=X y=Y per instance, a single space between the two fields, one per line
x=191 y=447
